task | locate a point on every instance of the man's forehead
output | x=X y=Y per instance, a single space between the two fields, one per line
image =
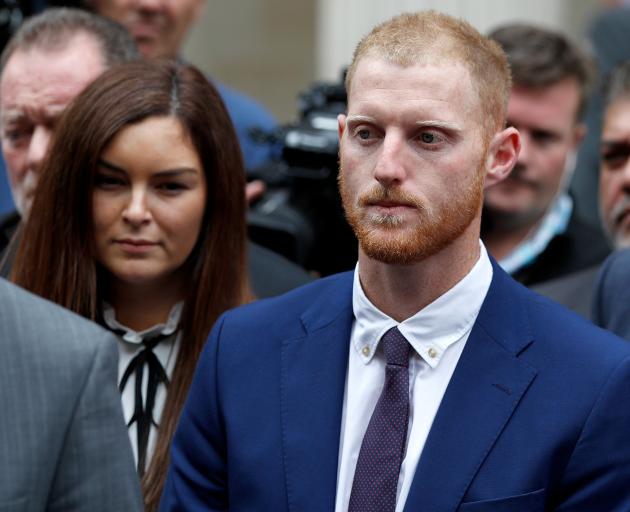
x=38 y=78
x=377 y=64
x=553 y=104
x=423 y=84
x=617 y=117
x=28 y=94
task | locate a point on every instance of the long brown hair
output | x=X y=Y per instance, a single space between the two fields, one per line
x=55 y=258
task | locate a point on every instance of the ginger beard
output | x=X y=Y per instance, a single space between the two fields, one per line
x=395 y=240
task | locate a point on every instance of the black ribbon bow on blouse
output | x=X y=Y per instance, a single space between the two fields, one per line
x=143 y=413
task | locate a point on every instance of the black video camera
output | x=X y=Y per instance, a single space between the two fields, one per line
x=300 y=215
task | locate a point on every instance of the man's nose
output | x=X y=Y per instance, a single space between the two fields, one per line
x=137 y=211
x=38 y=147
x=390 y=168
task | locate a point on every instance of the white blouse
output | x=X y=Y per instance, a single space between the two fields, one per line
x=130 y=345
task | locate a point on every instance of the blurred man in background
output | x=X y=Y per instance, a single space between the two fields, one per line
x=160 y=28
x=576 y=290
x=611 y=307
x=530 y=224
x=49 y=61
x=614 y=184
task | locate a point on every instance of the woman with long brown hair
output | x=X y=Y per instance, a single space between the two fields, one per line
x=138 y=223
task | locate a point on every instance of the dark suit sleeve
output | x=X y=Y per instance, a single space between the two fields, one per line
x=96 y=471
x=611 y=302
x=197 y=477
x=597 y=476
x=599 y=306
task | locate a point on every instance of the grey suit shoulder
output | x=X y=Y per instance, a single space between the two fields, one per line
x=611 y=302
x=63 y=443
x=574 y=291
x=272 y=274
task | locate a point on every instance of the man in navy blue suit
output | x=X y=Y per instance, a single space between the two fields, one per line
x=427 y=379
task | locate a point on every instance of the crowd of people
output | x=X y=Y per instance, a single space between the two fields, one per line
x=143 y=370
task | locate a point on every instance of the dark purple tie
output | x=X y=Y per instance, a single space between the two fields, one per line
x=376 y=475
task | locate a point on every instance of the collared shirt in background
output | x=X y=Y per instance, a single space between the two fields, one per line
x=437 y=334
x=555 y=222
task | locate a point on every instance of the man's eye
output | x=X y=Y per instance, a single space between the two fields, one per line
x=542 y=137
x=615 y=156
x=364 y=134
x=430 y=138
x=615 y=159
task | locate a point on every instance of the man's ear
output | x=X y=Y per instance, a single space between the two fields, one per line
x=341 y=124
x=502 y=155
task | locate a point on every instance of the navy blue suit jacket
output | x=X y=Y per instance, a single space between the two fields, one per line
x=535 y=417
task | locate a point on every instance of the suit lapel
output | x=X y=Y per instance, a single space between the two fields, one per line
x=313 y=381
x=485 y=389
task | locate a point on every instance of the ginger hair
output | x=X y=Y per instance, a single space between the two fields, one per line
x=432 y=38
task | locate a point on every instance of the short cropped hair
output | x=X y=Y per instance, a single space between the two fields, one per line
x=54 y=28
x=617 y=86
x=430 y=37
x=540 y=57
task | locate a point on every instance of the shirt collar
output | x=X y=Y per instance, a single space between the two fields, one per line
x=555 y=222
x=435 y=327
x=131 y=336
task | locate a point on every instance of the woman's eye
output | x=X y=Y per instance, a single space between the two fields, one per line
x=106 y=181
x=13 y=135
x=171 y=186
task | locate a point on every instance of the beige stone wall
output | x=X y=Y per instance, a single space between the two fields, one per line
x=272 y=49
x=341 y=23
x=262 y=47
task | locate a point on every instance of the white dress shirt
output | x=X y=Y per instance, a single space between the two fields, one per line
x=437 y=335
x=130 y=344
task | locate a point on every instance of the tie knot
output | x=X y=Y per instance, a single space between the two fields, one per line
x=396 y=348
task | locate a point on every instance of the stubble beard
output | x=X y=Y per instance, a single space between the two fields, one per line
x=395 y=240
x=617 y=236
